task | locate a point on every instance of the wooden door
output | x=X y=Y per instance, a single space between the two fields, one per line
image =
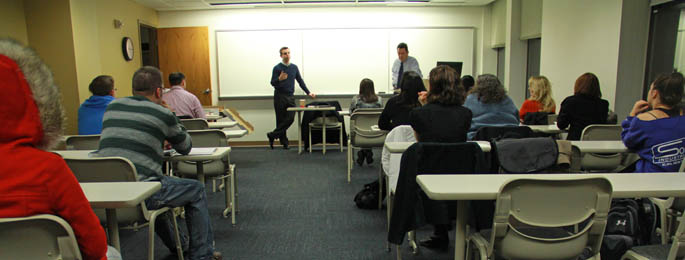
x=186 y=50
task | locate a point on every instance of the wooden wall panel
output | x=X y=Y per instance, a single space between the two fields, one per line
x=186 y=50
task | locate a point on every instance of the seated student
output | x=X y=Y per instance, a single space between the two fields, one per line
x=585 y=107
x=396 y=111
x=91 y=111
x=182 y=102
x=657 y=134
x=490 y=105
x=442 y=118
x=467 y=82
x=540 y=97
x=137 y=128
x=32 y=180
x=367 y=98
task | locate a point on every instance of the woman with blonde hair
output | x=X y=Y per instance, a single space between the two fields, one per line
x=540 y=97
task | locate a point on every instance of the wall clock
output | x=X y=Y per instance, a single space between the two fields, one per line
x=127 y=48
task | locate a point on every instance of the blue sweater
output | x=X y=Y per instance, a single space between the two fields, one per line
x=660 y=143
x=90 y=114
x=503 y=113
x=287 y=86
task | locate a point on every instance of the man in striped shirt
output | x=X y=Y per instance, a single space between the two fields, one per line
x=137 y=128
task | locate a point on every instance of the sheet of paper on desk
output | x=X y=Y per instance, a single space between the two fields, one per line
x=202 y=151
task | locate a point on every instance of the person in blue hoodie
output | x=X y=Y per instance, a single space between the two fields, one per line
x=655 y=128
x=91 y=111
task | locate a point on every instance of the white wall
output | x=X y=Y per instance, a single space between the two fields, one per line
x=632 y=55
x=580 y=36
x=260 y=111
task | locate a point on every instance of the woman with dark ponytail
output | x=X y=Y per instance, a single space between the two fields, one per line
x=656 y=127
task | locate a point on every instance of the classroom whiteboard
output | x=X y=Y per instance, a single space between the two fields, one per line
x=333 y=61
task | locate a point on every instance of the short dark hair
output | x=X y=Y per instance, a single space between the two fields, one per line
x=147 y=79
x=101 y=85
x=176 y=78
x=467 y=82
x=587 y=84
x=444 y=86
x=403 y=46
x=280 y=52
x=670 y=87
x=489 y=89
x=410 y=86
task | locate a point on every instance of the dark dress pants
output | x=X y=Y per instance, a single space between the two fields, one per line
x=284 y=118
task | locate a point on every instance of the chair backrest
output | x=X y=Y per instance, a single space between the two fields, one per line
x=677 y=250
x=102 y=169
x=552 y=119
x=601 y=133
x=83 y=142
x=603 y=161
x=109 y=169
x=208 y=138
x=37 y=237
x=449 y=158
x=195 y=124
x=533 y=216
x=361 y=134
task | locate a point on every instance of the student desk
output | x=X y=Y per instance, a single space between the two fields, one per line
x=616 y=146
x=114 y=195
x=464 y=188
x=218 y=154
x=213 y=117
x=221 y=124
x=547 y=129
x=235 y=133
x=400 y=147
x=299 y=111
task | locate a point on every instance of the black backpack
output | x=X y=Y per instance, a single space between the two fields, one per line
x=631 y=222
x=367 y=198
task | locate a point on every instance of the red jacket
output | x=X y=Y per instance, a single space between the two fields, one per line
x=33 y=181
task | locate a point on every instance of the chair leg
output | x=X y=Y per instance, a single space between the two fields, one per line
x=179 y=246
x=341 y=139
x=323 y=133
x=349 y=160
x=310 y=139
x=380 y=188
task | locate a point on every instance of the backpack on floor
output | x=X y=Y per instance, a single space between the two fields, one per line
x=630 y=223
x=367 y=198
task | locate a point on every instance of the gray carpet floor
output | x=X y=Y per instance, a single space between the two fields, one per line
x=294 y=206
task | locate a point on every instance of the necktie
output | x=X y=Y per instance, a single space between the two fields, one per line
x=399 y=74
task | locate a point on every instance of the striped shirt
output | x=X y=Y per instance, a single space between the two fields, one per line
x=135 y=128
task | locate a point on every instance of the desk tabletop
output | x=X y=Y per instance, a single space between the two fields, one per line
x=210 y=117
x=548 y=129
x=118 y=194
x=326 y=108
x=74 y=154
x=221 y=124
x=486 y=186
x=235 y=133
x=400 y=147
x=600 y=146
x=219 y=153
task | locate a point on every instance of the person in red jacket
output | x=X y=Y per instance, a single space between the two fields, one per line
x=540 y=99
x=32 y=180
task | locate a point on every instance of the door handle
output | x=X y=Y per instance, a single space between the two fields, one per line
x=207 y=91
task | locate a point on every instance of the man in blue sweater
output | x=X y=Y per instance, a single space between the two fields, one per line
x=283 y=79
x=91 y=111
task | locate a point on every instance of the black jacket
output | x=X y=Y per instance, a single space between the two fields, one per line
x=579 y=111
x=411 y=207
